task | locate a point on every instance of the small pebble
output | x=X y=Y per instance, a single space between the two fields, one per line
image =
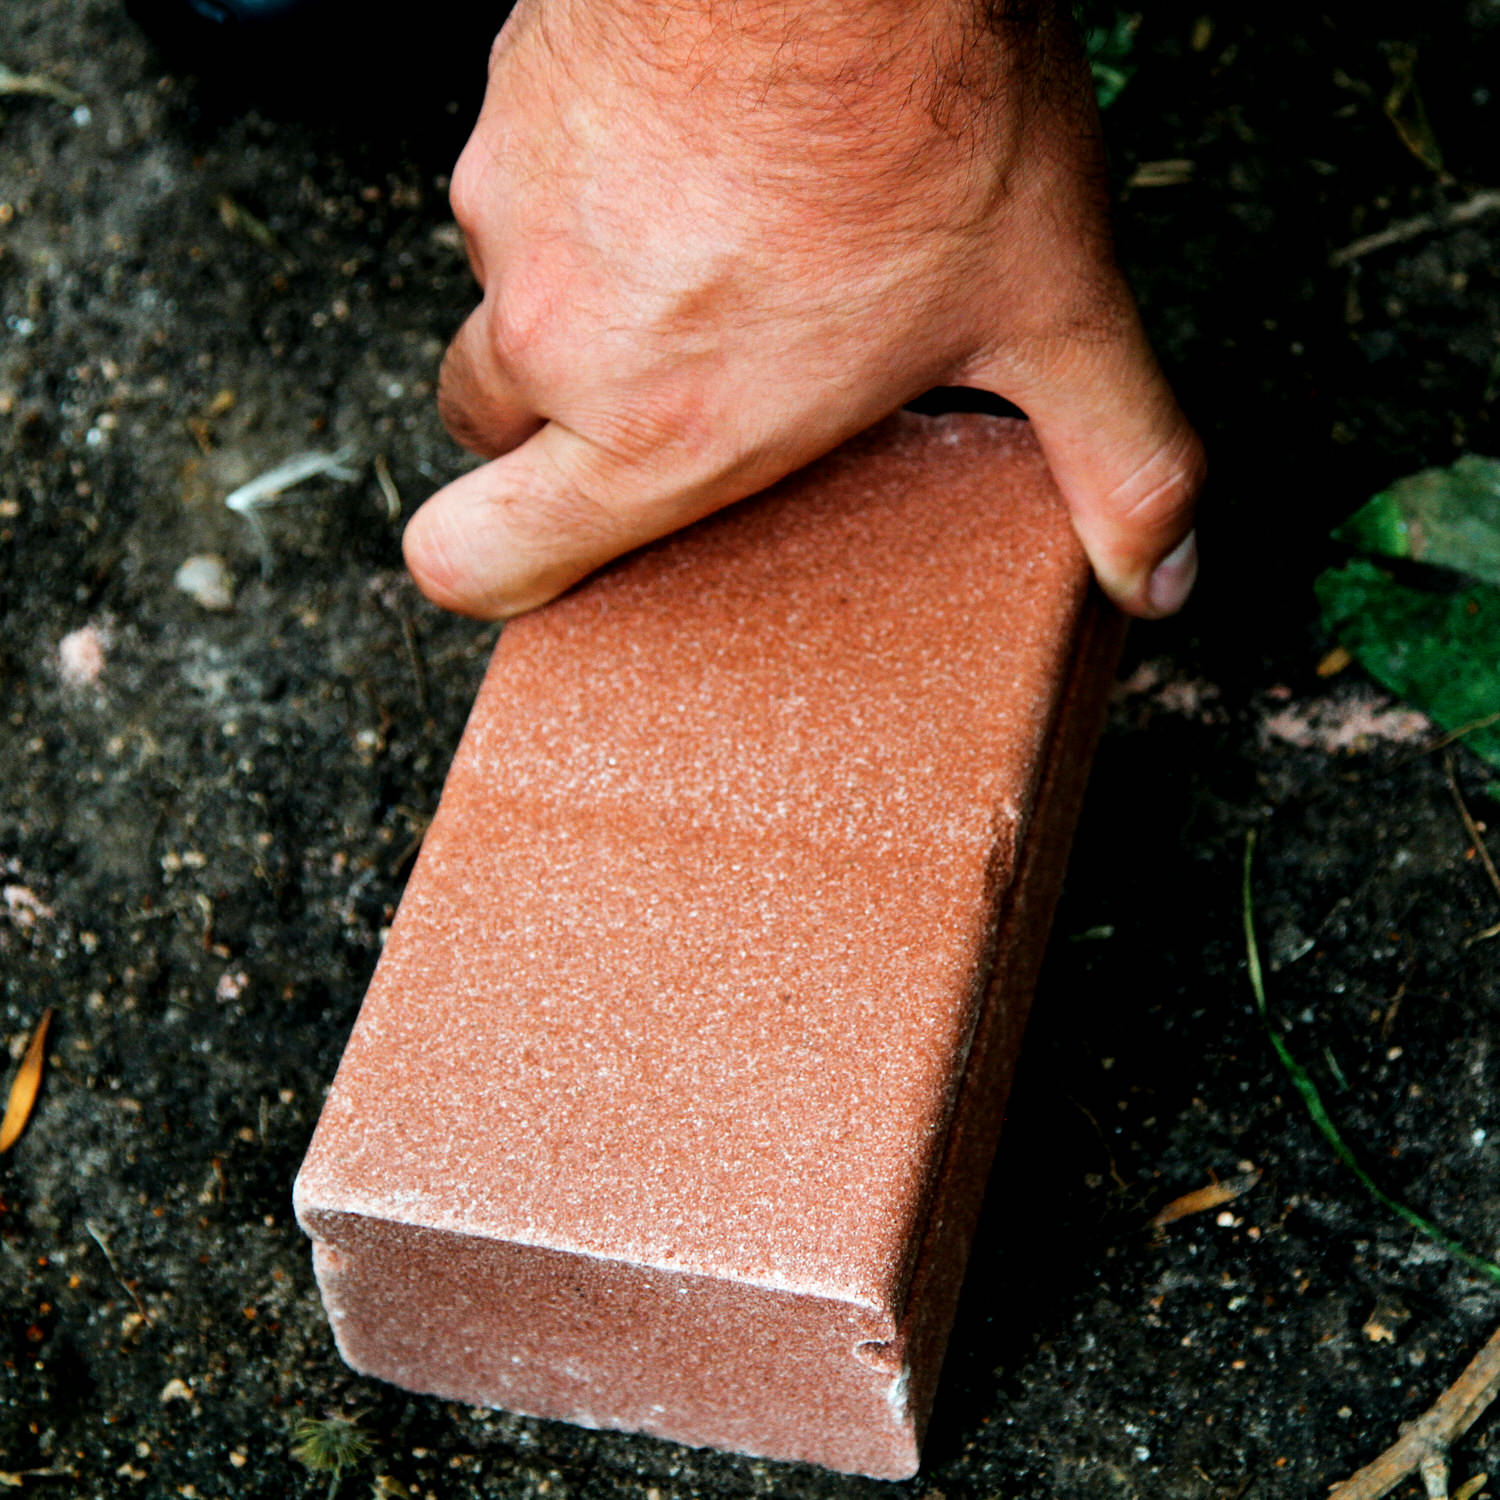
x=80 y=656
x=206 y=580
x=231 y=985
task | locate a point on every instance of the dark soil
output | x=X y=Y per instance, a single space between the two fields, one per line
x=201 y=848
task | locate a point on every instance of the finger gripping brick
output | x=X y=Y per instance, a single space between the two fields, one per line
x=671 y=1102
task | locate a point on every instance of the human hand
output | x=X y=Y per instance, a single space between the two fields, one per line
x=715 y=241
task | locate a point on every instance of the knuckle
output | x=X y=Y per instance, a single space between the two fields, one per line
x=467 y=188
x=518 y=313
x=463 y=428
x=455 y=398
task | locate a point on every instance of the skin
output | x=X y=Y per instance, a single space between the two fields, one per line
x=715 y=238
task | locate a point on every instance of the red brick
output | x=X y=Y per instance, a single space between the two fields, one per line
x=671 y=1102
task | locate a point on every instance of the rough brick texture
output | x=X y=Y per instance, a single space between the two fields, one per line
x=672 y=1099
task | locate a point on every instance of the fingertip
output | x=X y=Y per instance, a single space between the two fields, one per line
x=1133 y=506
x=513 y=533
x=479 y=400
x=435 y=553
x=1156 y=589
x=1172 y=579
x=1162 y=528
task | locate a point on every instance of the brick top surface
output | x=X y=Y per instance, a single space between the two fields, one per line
x=688 y=965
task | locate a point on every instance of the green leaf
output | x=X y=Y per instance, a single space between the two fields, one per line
x=1109 y=47
x=1440 y=652
x=1450 y=517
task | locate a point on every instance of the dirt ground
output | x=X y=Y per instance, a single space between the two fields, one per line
x=206 y=817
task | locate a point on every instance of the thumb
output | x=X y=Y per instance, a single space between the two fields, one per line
x=1128 y=464
x=517 y=531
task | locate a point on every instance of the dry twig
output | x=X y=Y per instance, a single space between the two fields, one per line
x=388 y=491
x=1443 y=741
x=1477 y=838
x=1114 y=1170
x=483 y=641
x=14 y=1479
x=1388 y=1020
x=1171 y=173
x=238 y=219
x=420 y=825
x=414 y=656
x=114 y=1266
x=1423 y=1446
x=38 y=84
x=1411 y=229
x=269 y=488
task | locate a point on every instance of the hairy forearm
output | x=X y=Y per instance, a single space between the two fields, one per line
x=809 y=58
x=876 y=95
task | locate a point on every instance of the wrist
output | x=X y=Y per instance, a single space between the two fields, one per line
x=829 y=65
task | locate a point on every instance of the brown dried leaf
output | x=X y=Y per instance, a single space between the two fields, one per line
x=1202 y=1199
x=1406 y=110
x=1335 y=662
x=1380 y=1327
x=28 y=1080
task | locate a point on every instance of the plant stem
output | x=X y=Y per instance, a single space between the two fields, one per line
x=1314 y=1101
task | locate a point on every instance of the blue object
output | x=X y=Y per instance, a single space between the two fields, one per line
x=228 y=12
